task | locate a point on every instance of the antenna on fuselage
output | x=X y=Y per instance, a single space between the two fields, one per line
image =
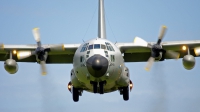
x=101 y=23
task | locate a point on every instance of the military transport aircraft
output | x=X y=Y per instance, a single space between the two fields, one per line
x=98 y=64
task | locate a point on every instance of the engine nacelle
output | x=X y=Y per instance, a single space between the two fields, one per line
x=11 y=66
x=159 y=57
x=188 y=62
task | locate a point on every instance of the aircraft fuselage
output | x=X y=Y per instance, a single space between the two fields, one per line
x=99 y=60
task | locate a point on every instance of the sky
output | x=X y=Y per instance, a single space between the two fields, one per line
x=168 y=87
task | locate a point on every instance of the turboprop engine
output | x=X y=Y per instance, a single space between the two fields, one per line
x=157 y=52
x=11 y=66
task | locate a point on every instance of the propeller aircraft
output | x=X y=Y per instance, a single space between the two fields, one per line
x=98 y=64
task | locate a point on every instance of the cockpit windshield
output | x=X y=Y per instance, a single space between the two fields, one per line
x=90 y=47
x=86 y=47
x=96 y=46
x=103 y=46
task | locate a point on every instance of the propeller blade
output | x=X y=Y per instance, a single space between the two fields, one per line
x=141 y=42
x=172 y=54
x=24 y=54
x=36 y=35
x=162 y=33
x=43 y=67
x=1 y=46
x=149 y=63
x=60 y=47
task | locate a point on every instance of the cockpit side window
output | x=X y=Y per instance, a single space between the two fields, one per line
x=84 y=48
x=96 y=46
x=82 y=59
x=112 y=49
x=109 y=46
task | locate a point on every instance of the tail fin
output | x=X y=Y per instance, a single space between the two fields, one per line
x=101 y=23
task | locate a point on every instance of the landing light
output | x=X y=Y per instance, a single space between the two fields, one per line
x=184 y=48
x=14 y=52
x=69 y=86
x=131 y=85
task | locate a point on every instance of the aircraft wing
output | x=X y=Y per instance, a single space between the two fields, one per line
x=65 y=56
x=137 y=53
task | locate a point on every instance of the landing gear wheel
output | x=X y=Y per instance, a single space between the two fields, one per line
x=95 y=87
x=75 y=94
x=126 y=93
x=101 y=86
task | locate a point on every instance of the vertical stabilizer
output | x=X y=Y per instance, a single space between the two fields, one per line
x=101 y=23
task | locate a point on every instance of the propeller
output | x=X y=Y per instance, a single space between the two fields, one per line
x=40 y=52
x=140 y=42
x=1 y=46
x=156 y=49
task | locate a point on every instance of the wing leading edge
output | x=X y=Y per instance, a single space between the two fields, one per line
x=136 y=53
x=65 y=56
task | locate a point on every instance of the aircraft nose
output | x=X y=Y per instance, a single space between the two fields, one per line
x=97 y=65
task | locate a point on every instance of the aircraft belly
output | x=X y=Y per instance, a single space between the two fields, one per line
x=107 y=88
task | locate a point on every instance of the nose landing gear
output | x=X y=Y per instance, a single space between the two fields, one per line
x=98 y=87
x=101 y=87
x=95 y=88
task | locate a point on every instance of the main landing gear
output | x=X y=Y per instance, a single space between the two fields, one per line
x=99 y=89
x=76 y=93
x=125 y=92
